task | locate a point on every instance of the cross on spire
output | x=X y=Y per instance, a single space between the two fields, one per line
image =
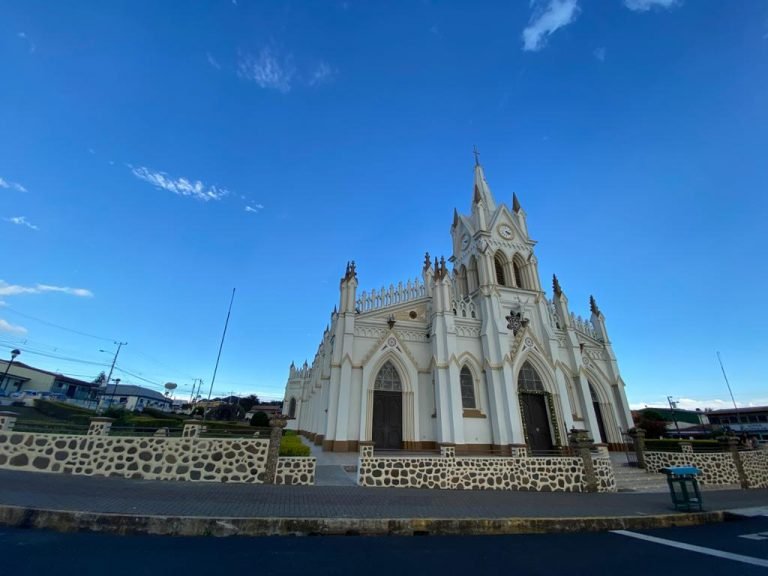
x=477 y=155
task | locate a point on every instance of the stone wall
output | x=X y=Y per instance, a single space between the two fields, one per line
x=756 y=468
x=155 y=458
x=295 y=471
x=716 y=467
x=545 y=474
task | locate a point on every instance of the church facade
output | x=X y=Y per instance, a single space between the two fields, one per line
x=477 y=357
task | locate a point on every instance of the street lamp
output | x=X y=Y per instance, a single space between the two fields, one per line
x=672 y=406
x=15 y=352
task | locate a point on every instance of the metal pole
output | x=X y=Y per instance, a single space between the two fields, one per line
x=221 y=345
x=111 y=368
x=735 y=407
x=15 y=352
x=674 y=418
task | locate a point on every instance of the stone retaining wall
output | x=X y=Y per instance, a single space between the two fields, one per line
x=150 y=458
x=756 y=468
x=716 y=467
x=295 y=471
x=545 y=474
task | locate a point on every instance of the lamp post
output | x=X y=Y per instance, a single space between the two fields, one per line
x=111 y=368
x=672 y=406
x=15 y=352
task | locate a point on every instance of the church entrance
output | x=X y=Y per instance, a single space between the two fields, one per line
x=598 y=415
x=387 y=426
x=535 y=405
x=387 y=420
x=538 y=435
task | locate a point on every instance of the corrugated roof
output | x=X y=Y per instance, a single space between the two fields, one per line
x=131 y=390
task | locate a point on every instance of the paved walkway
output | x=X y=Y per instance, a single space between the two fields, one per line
x=216 y=500
x=333 y=468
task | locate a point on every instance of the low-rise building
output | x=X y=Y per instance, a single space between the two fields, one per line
x=25 y=380
x=752 y=421
x=133 y=398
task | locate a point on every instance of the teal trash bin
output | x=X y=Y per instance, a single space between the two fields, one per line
x=684 y=487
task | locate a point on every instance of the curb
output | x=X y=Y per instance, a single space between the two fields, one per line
x=124 y=524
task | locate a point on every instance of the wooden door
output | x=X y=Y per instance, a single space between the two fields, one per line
x=534 y=408
x=387 y=420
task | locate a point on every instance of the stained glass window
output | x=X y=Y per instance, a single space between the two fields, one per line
x=388 y=379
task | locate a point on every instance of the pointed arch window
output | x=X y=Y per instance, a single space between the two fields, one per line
x=518 y=274
x=463 y=281
x=388 y=379
x=498 y=263
x=467 y=389
x=528 y=380
x=292 y=408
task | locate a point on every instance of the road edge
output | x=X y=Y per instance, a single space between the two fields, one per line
x=73 y=521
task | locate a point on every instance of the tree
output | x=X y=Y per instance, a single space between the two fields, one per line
x=260 y=419
x=249 y=402
x=226 y=412
x=652 y=422
x=101 y=379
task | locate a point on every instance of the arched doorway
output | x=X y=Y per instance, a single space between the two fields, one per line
x=535 y=407
x=387 y=429
x=598 y=415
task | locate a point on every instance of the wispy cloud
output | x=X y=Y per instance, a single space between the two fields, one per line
x=21 y=221
x=599 y=53
x=13 y=329
x=181 y=186
x=323 y=73
x=268 y=70
x=645 y=5
x=12 y=185
x=547 y=17
x=254 y=208
x=212 y=61
x=16 y=289
x=32 y=46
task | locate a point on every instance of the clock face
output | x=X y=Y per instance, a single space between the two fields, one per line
x=464 y=242
x=506 y=231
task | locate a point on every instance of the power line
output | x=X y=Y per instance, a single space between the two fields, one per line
x=47 y=323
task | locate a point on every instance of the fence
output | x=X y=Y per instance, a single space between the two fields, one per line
x=581 y=471
x=720 y=463
x=151 y=453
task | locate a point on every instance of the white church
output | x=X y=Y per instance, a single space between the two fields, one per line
x=476 y=356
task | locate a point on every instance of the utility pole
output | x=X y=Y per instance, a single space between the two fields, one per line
x=221 y=345
x=111 y=368
x=673 y=405
x=735 y=407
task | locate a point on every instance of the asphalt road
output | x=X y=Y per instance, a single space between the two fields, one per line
x=24 y=552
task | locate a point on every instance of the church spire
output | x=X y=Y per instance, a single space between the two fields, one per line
x=482 y=192
x=515 y=203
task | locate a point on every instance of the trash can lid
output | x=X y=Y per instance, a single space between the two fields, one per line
x=681 y=470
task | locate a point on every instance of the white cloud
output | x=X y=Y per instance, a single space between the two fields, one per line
x=29 y=42
x=254 y=208
x=323 y=73
x=16 y=289
x=8 y=327
x=181 y=186
x=21 y=221
x=645 y=5
x=12 y=185
x=212 y=61
x=599 y=53
x=267 y=70
x=547 y=17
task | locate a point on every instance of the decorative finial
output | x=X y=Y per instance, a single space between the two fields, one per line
x=515 y=203
x=427 y=262
x=455 y=218
x=477 y=155
x=556 y=286
x=334 y=310
x=352 y=270
x=437 y=265
x=593 y=305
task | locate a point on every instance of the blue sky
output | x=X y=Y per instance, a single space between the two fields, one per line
x=155 y=155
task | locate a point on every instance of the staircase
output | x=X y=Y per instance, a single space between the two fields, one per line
x=634 y=479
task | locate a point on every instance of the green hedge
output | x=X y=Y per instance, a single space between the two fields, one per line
x=292 y=446
x=673 y=444
x=61 y=411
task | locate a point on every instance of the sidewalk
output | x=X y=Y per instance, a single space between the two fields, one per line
x=121 y=505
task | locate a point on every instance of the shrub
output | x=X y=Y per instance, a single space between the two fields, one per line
x=61 y=411
x=292 y=446
x=260 y=419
